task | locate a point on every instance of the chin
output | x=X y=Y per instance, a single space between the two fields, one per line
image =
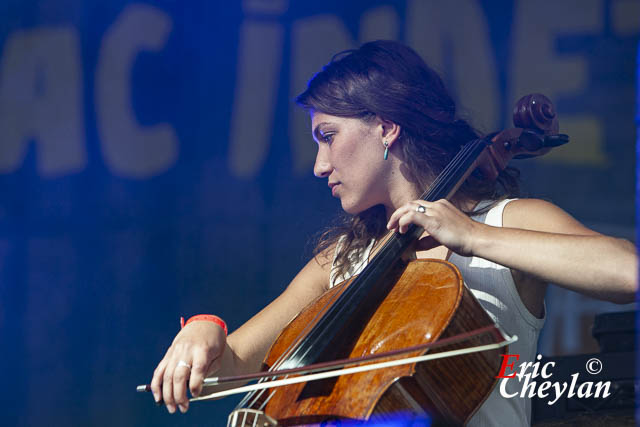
x=353 y=209
x=348 y=207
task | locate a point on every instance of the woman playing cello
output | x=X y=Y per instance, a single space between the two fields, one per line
x=385 y=127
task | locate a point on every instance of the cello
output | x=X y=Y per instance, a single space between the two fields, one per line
x=399 y=303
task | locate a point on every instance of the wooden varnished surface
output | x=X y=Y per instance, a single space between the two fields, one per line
x=423 y=305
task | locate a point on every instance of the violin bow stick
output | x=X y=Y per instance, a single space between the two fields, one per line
x=327 y=370
x=328 y=366
x=347 y=371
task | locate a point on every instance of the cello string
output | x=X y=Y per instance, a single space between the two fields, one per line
x=348 y=299
x=255 y=396
x=352 y=296
x=438 y=182
x=243 y=403
x=462 y=156
x=264 y=403
x=441 y=181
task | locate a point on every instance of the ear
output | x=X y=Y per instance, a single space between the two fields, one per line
x=389 y=131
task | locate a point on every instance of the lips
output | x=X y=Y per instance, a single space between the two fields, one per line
x=333 y=186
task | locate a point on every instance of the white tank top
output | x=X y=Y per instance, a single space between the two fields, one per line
x=493 y=286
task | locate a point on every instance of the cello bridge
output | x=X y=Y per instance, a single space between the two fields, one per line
x=250 y=418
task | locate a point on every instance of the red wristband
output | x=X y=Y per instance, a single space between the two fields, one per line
x=206 y=317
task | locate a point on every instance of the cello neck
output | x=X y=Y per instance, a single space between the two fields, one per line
x=371 y=284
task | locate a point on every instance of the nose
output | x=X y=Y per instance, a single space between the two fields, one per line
x=322 y=167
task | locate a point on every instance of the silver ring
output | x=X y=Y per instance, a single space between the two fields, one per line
x=421 y=209
x=183 y=363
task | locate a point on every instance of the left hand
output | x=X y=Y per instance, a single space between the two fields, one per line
x=445 y=224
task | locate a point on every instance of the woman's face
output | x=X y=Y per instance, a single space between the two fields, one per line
x=351 y=156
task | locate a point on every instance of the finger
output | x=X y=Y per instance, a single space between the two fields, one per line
x=156 y=381
x=411 y=217
x=180 y=379
x=214 y=366
x=444 y=203
x=199 y=370
x=420 y=205
x=393 y=220
x=167 y=387
x=405 y=221
x=400 y=212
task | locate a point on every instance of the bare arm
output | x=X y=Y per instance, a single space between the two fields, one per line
x=541 y=239
x=250 y=343
x=538 y=239
x=203 y=346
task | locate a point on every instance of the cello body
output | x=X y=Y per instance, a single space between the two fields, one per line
x=428 y=301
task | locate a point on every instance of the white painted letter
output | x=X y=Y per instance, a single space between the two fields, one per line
x=41 y=100
x=129 y=149
x=313 y=42
x=536 y=67
x=456 y=33
x=259 y=63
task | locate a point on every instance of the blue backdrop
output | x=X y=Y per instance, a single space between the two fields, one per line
x=152 y=164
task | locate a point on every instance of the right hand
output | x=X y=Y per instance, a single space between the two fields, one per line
x=199 y=344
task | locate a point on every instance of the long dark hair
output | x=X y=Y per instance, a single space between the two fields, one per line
x=390 y=80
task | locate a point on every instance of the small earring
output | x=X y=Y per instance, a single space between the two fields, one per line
x=386 y=149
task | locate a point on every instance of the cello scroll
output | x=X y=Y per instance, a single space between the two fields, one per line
x=535 y=134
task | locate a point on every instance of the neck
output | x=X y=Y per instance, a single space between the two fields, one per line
x=400 y=198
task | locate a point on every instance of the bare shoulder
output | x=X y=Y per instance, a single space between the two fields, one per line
x=540 y=215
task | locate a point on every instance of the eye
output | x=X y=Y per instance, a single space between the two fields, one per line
x=327 y=137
